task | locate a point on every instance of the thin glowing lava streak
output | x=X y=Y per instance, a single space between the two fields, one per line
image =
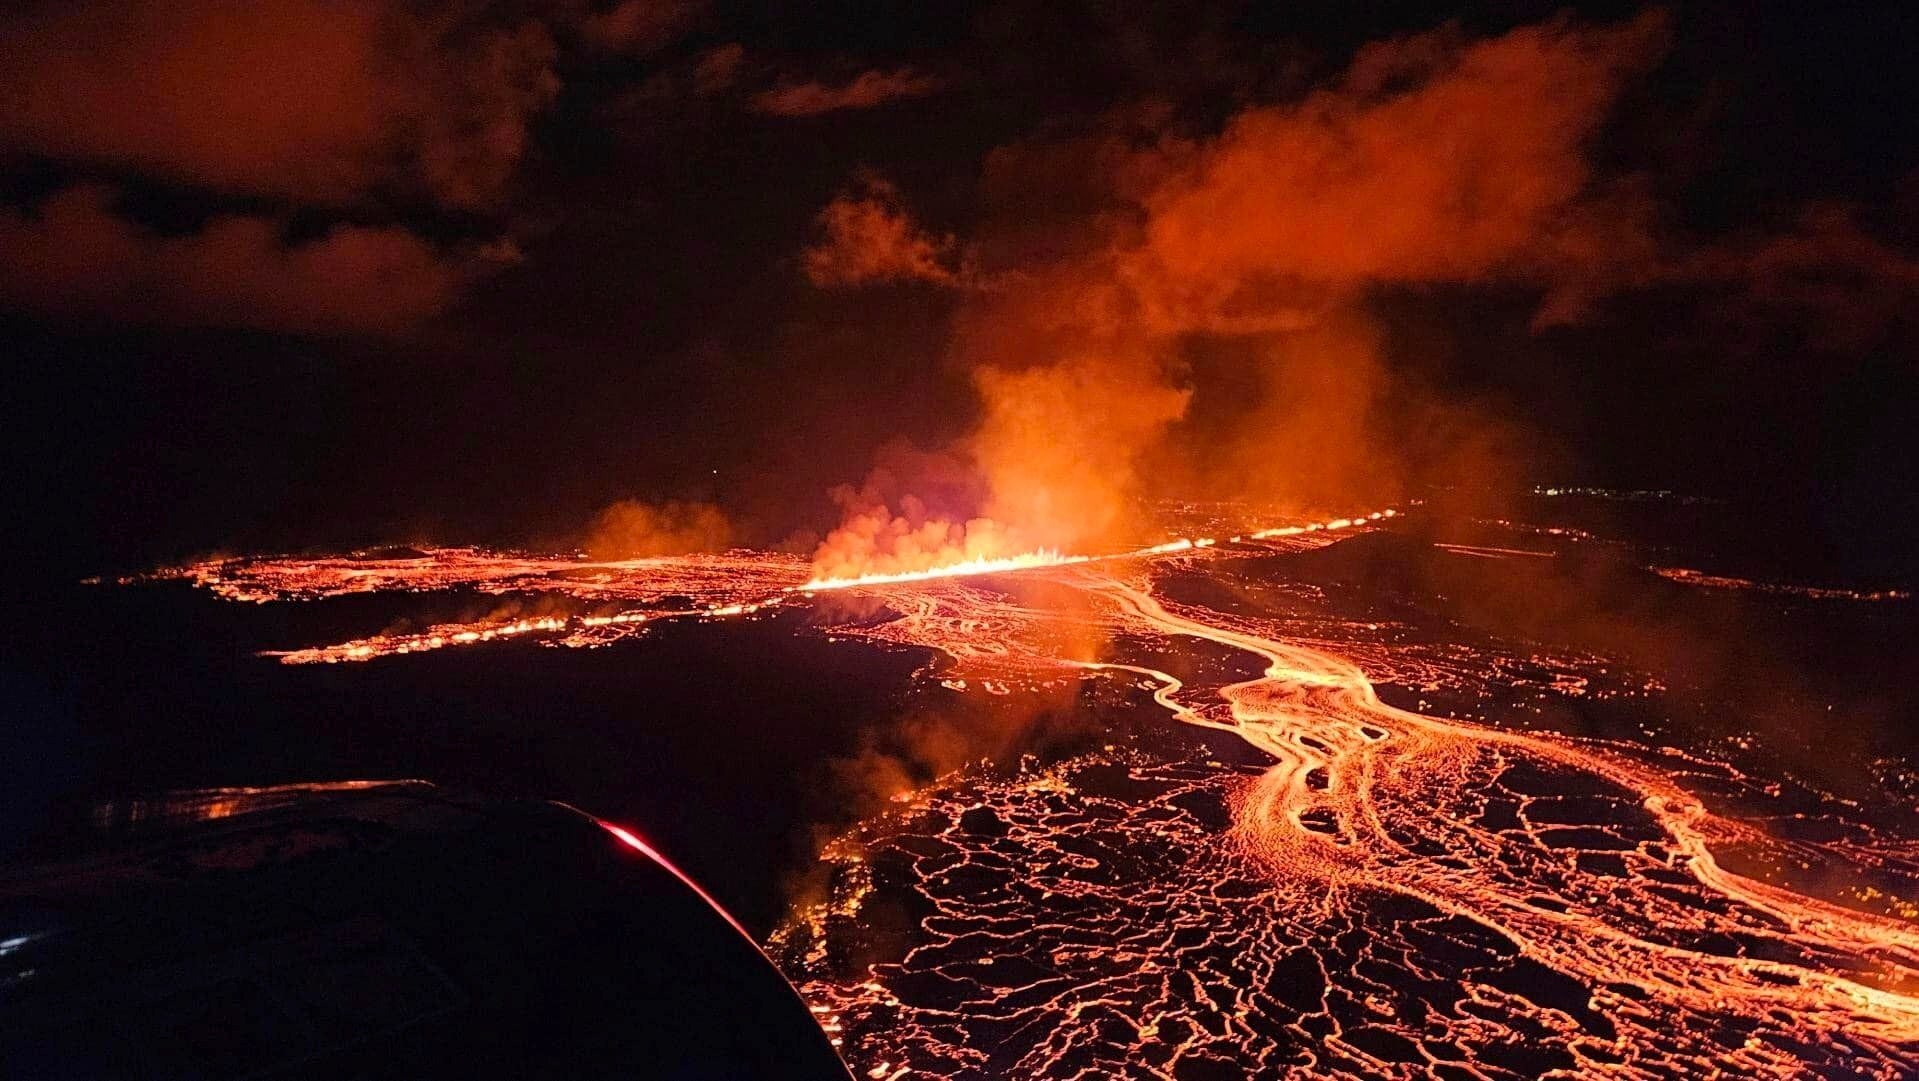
x=1046 y=557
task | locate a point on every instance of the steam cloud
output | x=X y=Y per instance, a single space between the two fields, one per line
x=868 y=90
x=1433 y=160
x=631 y=529
x=273 y=108
x=77 y=254
x=869 y=237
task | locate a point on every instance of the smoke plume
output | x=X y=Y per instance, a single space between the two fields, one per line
x=1106 y=265
x=274 y=115
x=631 y=529
x=867 y=90
x=870 y=238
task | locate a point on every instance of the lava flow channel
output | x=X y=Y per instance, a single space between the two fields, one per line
x=1385 y=894
x=1392 y=895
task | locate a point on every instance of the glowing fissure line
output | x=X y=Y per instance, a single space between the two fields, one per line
x=1046 y=557
x=1314 y=527
x=464 y=634
x=723 y=578
x=1485 y=552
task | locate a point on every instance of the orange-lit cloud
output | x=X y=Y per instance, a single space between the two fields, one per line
x=639 y=26
x=868 y=237
x=631 y=529
x=342 y=110
x=1826 y=277
x=718 y=67
x=305 y=99
x=905 y=517
x=867 y=90
x=75 y=256
x=1060 y=443
x=1434 y=160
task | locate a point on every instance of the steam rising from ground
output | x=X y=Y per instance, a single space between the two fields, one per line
x=631 y=529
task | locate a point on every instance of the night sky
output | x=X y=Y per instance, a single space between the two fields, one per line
x=295 y=273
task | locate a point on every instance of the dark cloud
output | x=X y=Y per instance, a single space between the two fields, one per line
x=1826 y=280
x=76 y=256
x=867 y=90
x=639 y=26
x=343 y=110
x=718 y=67
x=308 y=100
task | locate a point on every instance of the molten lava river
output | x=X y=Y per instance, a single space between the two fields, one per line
x=1266 y=869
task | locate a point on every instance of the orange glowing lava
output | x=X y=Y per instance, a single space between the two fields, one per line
x=1355 y=890
x=963 y=568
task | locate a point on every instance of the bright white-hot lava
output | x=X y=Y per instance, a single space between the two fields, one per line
x=1044 y=557
x=628 y=595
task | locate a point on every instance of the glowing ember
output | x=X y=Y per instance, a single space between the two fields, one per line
x=1688 y=576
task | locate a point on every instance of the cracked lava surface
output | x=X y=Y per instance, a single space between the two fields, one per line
x=1310 y=881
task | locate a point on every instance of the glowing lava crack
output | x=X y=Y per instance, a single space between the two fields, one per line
x=1396 y=895
x=1385 y=894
